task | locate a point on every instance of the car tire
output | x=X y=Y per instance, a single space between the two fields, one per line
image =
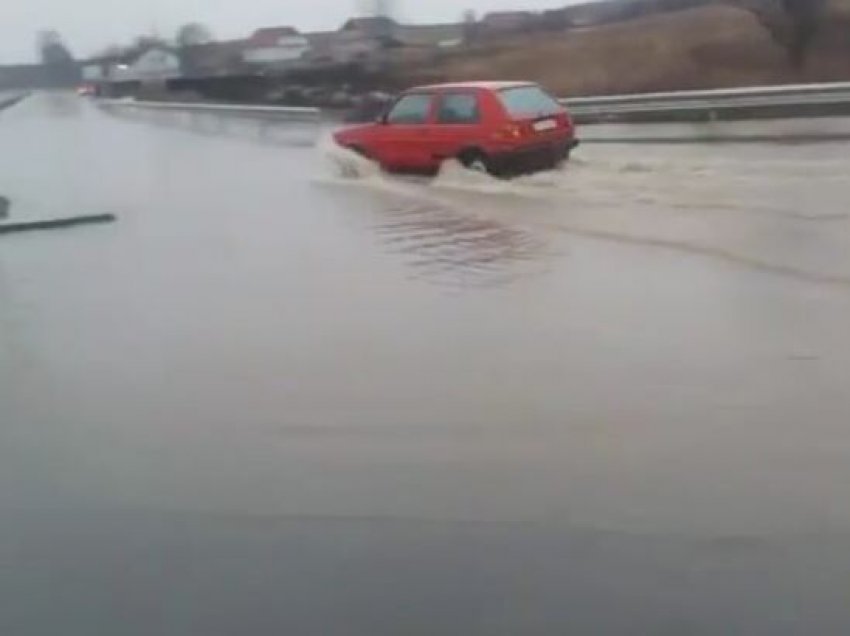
x=563 y=160
x=476 y=161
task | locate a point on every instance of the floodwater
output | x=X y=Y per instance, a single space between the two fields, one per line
x=281 y=397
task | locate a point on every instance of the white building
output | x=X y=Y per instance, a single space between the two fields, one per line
x=95 y=71
x=152 y=64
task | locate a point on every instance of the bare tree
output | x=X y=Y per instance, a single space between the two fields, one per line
x=142 y=43
x=470 y=26
x=793 y=24
x=193 y=34
x=52 y=50
x=112 y=50
x=56 y=58
x=805 y=17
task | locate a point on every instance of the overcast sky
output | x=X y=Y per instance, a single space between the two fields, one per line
x=90 y=25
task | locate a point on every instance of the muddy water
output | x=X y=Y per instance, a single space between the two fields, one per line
x=275 y=398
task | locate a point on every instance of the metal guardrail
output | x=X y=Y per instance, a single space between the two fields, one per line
x=802 y=105
x=291 y=113
x=689 y=103
x=712 y=101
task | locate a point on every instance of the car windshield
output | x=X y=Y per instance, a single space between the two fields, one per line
x=528 y=101
x=411 y=109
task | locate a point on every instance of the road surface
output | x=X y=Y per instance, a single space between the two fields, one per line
x=275 y=400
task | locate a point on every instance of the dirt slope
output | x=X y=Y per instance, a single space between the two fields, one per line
x=710 y=47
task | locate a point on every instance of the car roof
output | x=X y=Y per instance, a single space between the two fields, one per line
x=487 y=86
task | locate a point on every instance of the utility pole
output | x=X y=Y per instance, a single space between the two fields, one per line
x=383 y=9
x=376 y=8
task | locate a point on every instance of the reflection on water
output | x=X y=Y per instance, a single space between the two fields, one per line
x=435 y=225
x=61 y=105
x=291 y=132
x=452 y=249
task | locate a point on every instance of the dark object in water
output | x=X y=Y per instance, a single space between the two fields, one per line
x=4 y=207
x=8 y=103
x=26 y=226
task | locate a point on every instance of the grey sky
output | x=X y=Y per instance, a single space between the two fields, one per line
x=89 y=25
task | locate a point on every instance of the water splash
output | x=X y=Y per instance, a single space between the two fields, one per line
x=351 y=168
x=696 y=205
x=345 y=163
x=454 y=176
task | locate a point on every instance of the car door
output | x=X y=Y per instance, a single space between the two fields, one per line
x=457 y=124
x=403 y=135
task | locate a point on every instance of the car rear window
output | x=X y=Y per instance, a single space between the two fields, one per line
x=411 y=109
x=529 y=101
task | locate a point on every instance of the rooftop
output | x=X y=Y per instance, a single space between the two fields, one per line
x=271 y=35
x=487 y=86
x=507 y=15
x=369 y=24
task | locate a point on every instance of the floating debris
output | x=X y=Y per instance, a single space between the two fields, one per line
x=27 y=226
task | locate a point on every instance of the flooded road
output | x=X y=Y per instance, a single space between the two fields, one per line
x=272 y=399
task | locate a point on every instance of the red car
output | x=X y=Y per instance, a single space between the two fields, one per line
x=504 y=128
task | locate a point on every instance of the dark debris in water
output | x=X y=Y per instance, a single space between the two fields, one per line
x=50 y=224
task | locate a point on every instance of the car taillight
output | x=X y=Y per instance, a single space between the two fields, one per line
x=509 y=132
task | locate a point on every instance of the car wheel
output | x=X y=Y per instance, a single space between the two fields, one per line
x=476 y=161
